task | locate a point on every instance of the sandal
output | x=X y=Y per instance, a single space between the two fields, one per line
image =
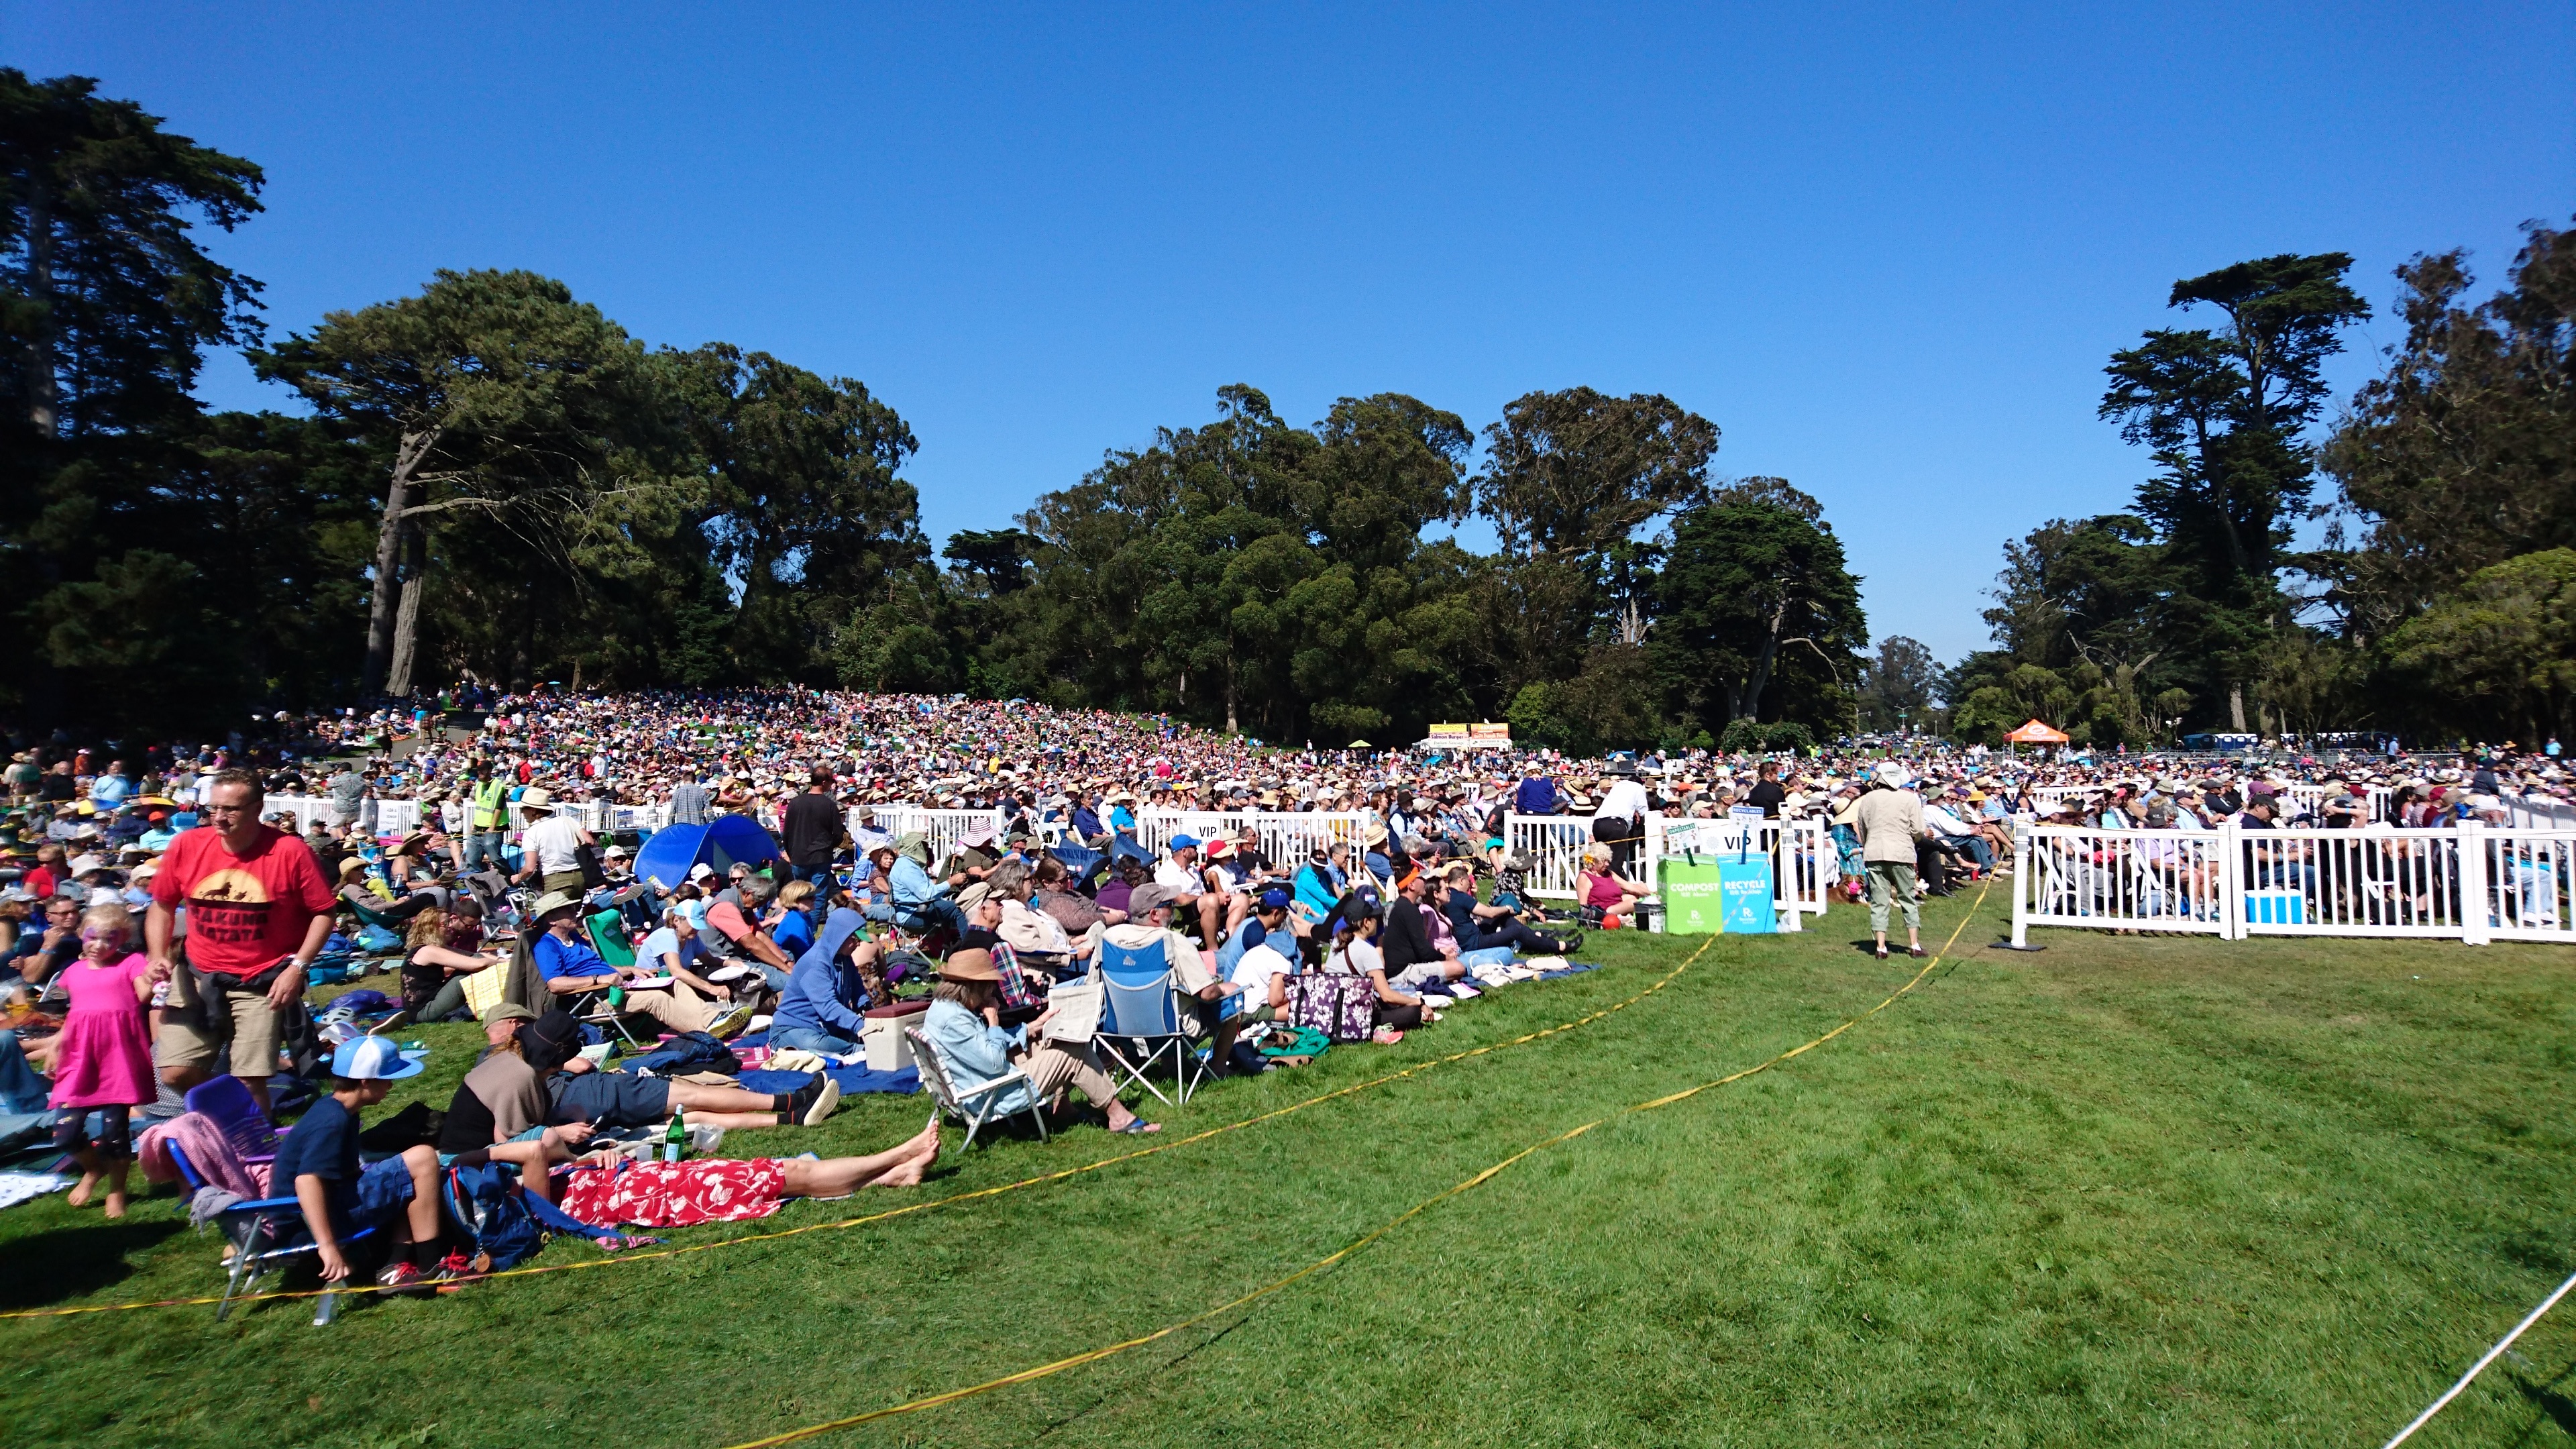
x=1138 y=1127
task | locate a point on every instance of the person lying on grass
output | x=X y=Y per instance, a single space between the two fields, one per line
x=317 y=1164
x=604 y=1190
x=533 y=1096
x=964 y=1027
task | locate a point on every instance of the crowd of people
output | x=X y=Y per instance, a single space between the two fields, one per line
x=162 y=926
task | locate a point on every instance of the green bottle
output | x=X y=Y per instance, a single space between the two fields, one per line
x=675 y=1143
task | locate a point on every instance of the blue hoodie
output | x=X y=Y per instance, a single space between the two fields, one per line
x=820 y=990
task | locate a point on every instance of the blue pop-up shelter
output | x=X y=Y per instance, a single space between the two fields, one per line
x=667 y=857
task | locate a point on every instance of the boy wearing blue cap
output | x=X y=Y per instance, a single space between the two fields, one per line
x=318 y=1163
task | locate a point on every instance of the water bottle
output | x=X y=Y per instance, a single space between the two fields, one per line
x=675 y=1143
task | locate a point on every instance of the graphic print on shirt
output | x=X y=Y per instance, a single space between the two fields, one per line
x=229 y=907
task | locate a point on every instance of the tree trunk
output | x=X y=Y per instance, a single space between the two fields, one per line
x=42 y=412
x=1232 y=727
x=1761 y=679
x=384 y=600
x=407 y=614
x=2236 y=706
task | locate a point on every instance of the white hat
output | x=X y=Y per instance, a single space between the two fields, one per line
x=83 y=865
x=701 y=871
x=102 y=896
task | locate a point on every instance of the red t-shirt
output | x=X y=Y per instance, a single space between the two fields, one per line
x=39 y=882
x=246 y=913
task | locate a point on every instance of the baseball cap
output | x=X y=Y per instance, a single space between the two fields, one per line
x=1274 y=900
x=1185 y=842
x=372 y=1059
x=507 y=1011
x=1145 y=898
x=701 y=871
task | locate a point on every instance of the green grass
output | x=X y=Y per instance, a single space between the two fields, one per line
x=2128 y=1191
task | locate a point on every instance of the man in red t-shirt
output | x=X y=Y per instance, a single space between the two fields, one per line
x=258 y=913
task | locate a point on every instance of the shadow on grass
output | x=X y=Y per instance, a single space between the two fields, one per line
x=69 y=1262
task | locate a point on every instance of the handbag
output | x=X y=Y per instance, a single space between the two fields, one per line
x=1343 y=1008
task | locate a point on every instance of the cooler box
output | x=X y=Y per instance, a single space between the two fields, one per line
x=2275 y=908
x=882 y=1034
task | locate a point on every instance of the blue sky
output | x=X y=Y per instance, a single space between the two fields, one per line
x=1886 y=249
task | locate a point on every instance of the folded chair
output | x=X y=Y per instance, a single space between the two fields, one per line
x=1142 y=1020
x=974 y=1106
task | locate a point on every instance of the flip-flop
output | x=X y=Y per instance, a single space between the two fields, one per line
x=1138 y=1127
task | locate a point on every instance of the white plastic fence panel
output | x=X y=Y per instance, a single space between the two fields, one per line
x=2526 y=873
x=2313 y=882
x=942 y=828
x=2141 y=880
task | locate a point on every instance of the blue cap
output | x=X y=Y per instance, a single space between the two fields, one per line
x=372 y=1058
x=1274 y=900
x=1184 y=842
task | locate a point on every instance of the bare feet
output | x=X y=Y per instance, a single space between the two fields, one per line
x=81 y=1191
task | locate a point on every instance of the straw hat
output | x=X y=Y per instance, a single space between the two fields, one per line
x=972 y=964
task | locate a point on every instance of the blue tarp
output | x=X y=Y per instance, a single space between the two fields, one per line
x=666 y=858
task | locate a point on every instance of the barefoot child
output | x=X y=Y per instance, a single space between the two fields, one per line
x=103 y=1057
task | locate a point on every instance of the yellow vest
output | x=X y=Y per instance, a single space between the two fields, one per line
x=487 y=802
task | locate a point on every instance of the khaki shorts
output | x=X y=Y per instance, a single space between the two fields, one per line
x=185 y=1039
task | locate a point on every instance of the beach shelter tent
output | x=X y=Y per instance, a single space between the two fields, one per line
x=666 y=857
x=2035 y=733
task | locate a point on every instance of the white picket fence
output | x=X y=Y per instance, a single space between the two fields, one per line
x=1286 y=836
x=1803 y=861
x=944 y=829
x=2471 y=883
x=2311 y=798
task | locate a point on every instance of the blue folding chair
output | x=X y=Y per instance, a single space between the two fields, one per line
x=1142 y=1020
x=267 y=1236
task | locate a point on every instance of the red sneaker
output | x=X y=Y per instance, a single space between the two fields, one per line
x=404 y=1278
x=455 y=1271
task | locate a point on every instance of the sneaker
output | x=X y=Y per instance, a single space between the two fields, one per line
x=1387 y=1036
x=454 y=1271
x=815 y=1100
x=733 y=1021
x=404 y=1278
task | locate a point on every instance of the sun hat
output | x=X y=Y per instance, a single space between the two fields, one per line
x=1220 y=848
x=372 y=1059
x=534 y=798
x=553 y=901
x=974 y=963
x=507 y=1011
x=974 y=895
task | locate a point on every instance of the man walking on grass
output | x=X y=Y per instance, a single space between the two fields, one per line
x=1889 y=820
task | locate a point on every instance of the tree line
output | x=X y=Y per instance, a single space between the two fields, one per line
x=494 y=481
x=2440 y=602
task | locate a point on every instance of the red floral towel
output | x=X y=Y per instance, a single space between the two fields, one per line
x=676 y=1194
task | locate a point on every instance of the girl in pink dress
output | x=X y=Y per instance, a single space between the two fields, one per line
x=103 y=1059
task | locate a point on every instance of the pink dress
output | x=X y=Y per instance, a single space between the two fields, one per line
x=106 y=1054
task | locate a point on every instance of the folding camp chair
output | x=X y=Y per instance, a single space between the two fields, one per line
x=1142 y=1019
x=984 y=1099
x=267 y=1236
x=608 y=938
x=226 y=1101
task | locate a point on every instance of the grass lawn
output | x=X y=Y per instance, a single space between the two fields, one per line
x=2127 y=1191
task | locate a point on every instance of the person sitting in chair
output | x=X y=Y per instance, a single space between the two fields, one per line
x=964 y=1027
x=570 y=967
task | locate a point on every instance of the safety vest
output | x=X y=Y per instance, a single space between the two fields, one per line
x=487 y=802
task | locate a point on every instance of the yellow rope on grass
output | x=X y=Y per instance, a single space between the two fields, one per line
x=1041 y=1180
x=1048 y=1370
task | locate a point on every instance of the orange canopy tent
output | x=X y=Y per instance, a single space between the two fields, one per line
x=2035 y=733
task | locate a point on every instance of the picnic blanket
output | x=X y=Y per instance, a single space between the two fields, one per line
x=851 y=1079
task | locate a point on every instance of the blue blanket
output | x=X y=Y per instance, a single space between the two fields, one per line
x=852 y=1079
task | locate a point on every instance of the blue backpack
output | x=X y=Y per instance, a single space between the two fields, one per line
x=486 y=1203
